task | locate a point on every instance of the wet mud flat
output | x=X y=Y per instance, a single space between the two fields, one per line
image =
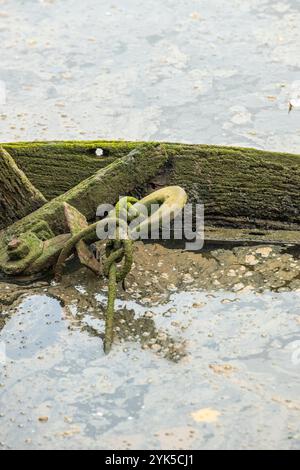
x=206 y=355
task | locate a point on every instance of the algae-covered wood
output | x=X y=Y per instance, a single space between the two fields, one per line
x=104 y=187
x=18 y=196
x=240 y=187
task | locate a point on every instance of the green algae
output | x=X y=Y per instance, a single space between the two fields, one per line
x=30 y=249
x=18 y=196
x=123 y=175
x=103 y=187
x=239 y=186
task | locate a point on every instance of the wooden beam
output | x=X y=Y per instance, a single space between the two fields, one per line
x=18 y=196
x=240 y=187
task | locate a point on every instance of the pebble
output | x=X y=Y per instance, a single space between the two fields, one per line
x=43 y=419
x=231 y=273
x=149 y=314
x=264 y=251
x=199 y=305
x=171 y=287
x=251 y=260
x=238 y=286
x=187 y=278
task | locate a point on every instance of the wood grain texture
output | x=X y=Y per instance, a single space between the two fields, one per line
x=18 y=196
x=240 y=187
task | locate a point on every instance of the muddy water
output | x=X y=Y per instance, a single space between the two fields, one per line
x=207 y=346
x=220 y=72
x=205 y=356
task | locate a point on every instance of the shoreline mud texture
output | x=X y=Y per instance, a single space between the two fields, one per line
x=220 y=323
x=207 y=346
x=221 y=327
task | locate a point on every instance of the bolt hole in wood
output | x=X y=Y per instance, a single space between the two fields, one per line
x=99 y=152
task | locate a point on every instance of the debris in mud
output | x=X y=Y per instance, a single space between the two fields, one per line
x=242 y=268
x=80 y=389
x=166 y=270
x=206 y=415
x=10 y=294
x=43 y=419
x=222 y=369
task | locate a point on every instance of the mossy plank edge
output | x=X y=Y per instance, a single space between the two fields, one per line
x=18 y=196
x=104 y=187
x=235 y=184
x=280 y=237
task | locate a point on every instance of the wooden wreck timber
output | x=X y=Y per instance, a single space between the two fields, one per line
x=104 y=186
x=18 y=197
x=248 y=194
x=239 y=186
x=29 y=246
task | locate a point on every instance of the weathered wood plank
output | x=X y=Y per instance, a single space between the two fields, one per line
x=18 y=196
x=103 y=187
x=240 y=187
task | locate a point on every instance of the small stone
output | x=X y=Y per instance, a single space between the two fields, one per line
x=231 y=273
x=238 y=286
x=148 y=314
x=187 y=278
x=162 y=336
x=251 y=260
x=43 y=419
x=13 y=244
x=222 y=369
x=264 y=251
x=248 y=274
x=172 y=287
x=199 y=304
x=68 y=420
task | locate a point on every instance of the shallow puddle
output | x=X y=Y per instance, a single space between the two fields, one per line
x=191 y=367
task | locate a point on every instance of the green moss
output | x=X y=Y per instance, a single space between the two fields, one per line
x=48 y=257
x=20 y=252
x=18 y=197
x=250 y=186
x=239 y=186
x=56 y=167
x=31 y=248
x=103 y=187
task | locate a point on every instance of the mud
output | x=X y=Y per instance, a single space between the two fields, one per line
x=206 y=343
x=221 y=72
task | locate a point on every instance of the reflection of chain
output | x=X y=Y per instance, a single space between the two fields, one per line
x=119 y=248
x=117 y=251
